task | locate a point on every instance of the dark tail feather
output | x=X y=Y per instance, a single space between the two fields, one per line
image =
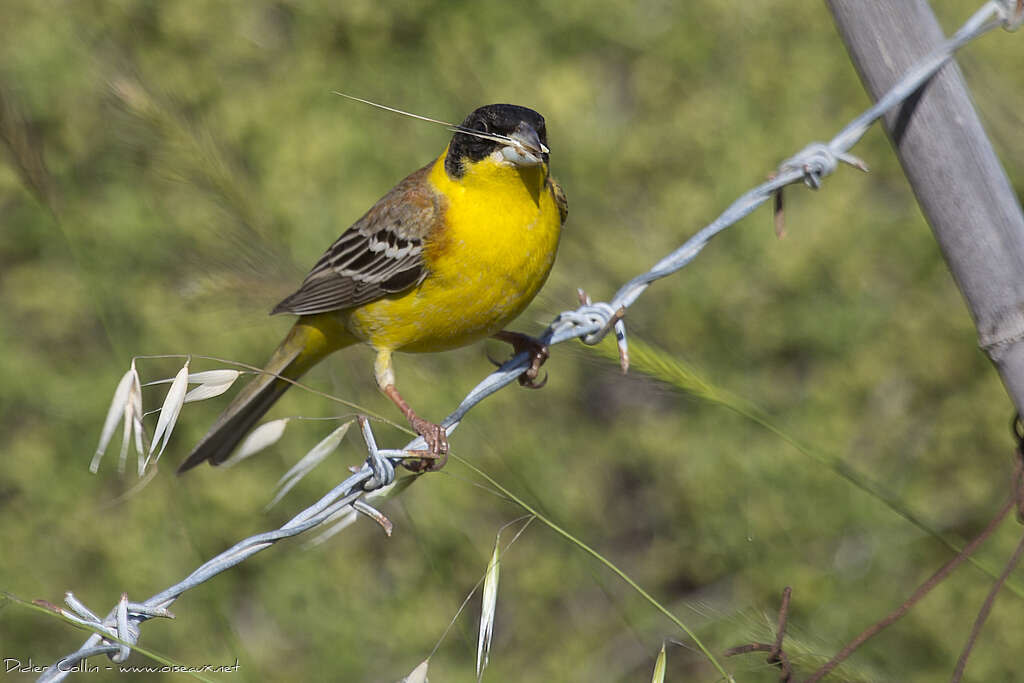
x=249 y=406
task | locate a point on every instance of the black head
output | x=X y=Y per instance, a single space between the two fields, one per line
x=494 y=119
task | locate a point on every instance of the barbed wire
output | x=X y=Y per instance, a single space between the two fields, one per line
x=590 y=322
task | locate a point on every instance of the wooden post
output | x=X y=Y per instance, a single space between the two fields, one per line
x=953 y=171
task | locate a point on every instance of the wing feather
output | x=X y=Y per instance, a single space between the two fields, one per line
x=380 y=254
x=560 y=199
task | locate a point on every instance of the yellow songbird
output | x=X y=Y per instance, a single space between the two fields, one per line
x=449 y=256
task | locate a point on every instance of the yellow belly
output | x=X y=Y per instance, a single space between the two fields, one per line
x=500 y=244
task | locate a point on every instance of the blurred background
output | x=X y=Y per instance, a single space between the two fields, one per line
x=173 y=169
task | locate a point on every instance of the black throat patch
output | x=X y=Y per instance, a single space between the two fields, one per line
x=500 y=119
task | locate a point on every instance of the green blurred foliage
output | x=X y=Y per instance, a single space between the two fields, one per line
x=172 y=169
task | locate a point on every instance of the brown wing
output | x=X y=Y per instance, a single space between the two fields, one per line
x=382 y=253
x=560 y=199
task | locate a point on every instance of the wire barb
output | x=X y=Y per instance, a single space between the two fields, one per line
x=382 y=468
x=121 y=627
x=1011 y=12
x=817 y=160
x=376 y=515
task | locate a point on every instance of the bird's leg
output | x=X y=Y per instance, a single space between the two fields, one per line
x=538 y=354
x=437 y=440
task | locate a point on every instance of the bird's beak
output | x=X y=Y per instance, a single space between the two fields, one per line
x=526 y=148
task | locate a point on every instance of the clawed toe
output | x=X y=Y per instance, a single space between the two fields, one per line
x=538 y=351
x=529 y=379
x=436 y=454
x=538 y=354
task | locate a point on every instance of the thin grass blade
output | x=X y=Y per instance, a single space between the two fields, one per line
x=419 y=674
x=133 y=423
x=212 y=383
x=267 y=434
x=309 y=461
x=659 y=667
x=114 y=415
x=169 y=412
x=487 y=609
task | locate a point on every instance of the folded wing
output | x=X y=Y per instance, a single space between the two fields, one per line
x=381 y=254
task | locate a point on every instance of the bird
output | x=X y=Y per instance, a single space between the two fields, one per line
x=449 y=256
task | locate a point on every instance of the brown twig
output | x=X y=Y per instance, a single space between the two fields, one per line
x=746 y=649
x=922 y=590
x=776 y=654
x=984 y=612
x=780 y=629
x=986 y=607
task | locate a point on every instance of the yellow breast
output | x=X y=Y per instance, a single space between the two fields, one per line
x=485 y=266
